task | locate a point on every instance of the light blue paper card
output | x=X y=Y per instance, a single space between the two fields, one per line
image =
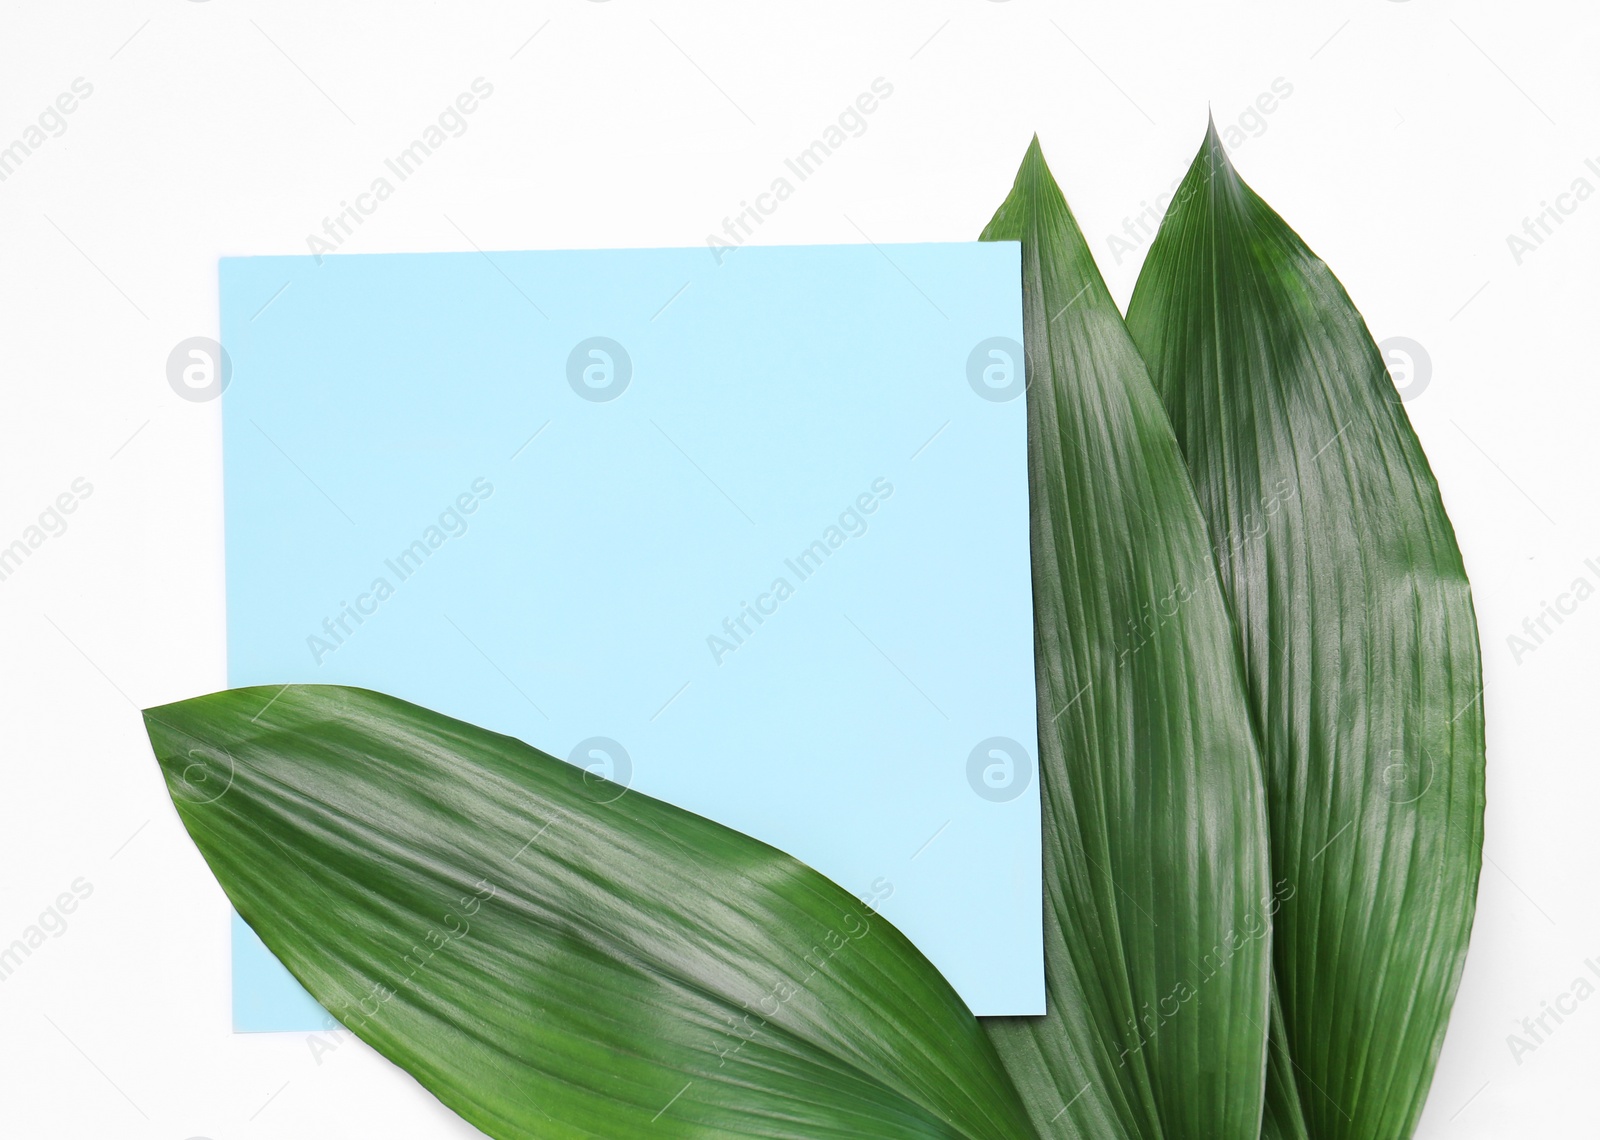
x=750 y=537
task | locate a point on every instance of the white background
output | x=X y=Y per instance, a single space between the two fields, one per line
x=1418 y=136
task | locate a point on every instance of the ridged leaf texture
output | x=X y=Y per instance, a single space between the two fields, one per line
x=553 y=956
x=1357 y=633
x=1158 y=898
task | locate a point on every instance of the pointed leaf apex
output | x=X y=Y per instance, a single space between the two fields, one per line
x=1212 y=167
x=1034 y=188
x=1213 y=141
x=1033 y=160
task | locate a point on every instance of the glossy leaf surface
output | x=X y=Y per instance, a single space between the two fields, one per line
x=554 y=956
x=1357 y=632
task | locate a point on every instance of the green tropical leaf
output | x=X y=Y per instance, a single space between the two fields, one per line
x=553 y=956
x=1356 y=628
x=1158 y=898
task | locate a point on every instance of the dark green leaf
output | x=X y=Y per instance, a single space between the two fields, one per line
x=552 y=957
x=1157 y=893
x=1355 y=623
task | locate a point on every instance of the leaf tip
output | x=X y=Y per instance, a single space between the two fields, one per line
x=1033 y=163
x=1212 y=144
x=1212 y=168
x=191 y=741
